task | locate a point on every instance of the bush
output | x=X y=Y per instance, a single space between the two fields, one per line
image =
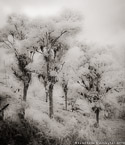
x=14 y=133
x=26 y=133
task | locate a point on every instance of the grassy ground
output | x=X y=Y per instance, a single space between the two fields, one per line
x=117 y=128
x=65 y=128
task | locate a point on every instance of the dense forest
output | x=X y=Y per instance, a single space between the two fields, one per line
x=56 y=89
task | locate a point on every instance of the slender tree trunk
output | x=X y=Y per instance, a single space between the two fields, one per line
x=66 y=100
x=1 y=115
x=50 y=90
x=46 y=91
x=97 y=115
x=65 y=89
x=51 y=86
x=25 y=89
x=46 y=96
x=51 y=100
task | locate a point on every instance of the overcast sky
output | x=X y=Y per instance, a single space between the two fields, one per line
x=104 y=19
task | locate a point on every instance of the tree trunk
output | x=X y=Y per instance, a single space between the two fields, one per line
x=66 y=100
x=25 y=89
x=46 y=96
x=97 y=115
x=46 y=91
x=1 y=115
x=51 y=100
x=72 y=105
x=65 y=89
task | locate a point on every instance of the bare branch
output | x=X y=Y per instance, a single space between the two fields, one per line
x=16 y=74
x=50 y=33
x=7 y=44
x=83 y=84
x=39 y=52
x=41 y=39
x=1 y=83
x=61 y=67
x=17 y=29
x=80 y=83
x=16 y=53
x=54 y=41
x=4 y=107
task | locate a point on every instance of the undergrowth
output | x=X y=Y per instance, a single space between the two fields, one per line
x=27 y=133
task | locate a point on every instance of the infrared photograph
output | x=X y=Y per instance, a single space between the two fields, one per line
x=62 y=72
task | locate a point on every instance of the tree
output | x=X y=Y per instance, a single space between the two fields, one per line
x=51 y=40
x=95 y=70
x=22 y=72
x=13 y=36
x=65 y=89
x=66 y=75
x=64 y=80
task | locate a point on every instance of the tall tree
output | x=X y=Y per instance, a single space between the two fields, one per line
x=13 y=36
x=66 y=76
x=95 y=71
x=65 y=89
x=52 y=39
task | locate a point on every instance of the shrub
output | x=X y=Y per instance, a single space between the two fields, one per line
x=14 y=133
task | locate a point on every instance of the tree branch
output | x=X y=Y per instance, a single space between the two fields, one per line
x=16 y=74
x=10 y=42
x=61 y=67
x=54 y=41
x=80 y=83
x=50 y=33
x=42 y=39
x=39 y=52
x=1 y=83
x=4 y=107
x=16 y=29
x=6 y=44
x=84 y=85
